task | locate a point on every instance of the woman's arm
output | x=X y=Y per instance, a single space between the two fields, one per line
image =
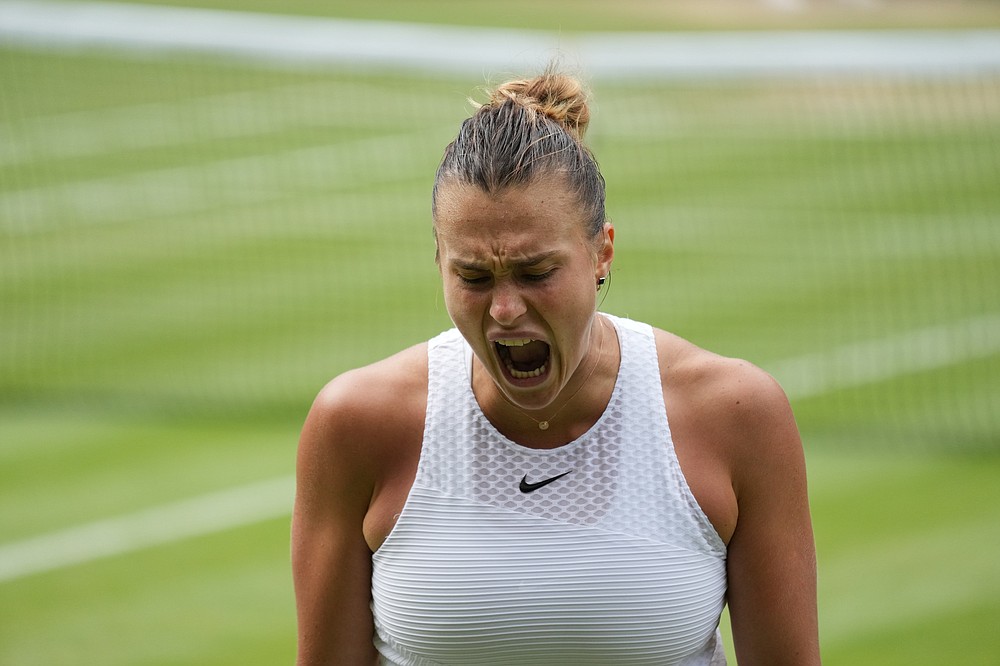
x=357 y=457
x=331 y=561
x=740 y=450
x=771 y=557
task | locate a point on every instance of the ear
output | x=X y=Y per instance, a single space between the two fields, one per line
x=605 y=251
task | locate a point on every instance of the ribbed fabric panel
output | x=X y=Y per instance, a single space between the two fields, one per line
x=460 y=582
x=612 y=563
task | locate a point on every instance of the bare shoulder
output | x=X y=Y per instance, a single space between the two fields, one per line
x=372 y=395
x=360 y=415
x=728 y=403
x=734 y=386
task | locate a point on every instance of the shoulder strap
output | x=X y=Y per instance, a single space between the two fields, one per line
x=448 y=395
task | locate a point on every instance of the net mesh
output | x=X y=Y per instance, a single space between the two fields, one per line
x=197 y=236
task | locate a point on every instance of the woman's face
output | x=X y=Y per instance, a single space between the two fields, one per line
x=520 y=282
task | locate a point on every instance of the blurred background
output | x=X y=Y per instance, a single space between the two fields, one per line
x=209 y=208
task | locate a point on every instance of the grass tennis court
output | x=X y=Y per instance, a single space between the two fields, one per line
x=189 y=249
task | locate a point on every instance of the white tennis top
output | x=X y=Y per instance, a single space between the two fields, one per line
x=595 y=552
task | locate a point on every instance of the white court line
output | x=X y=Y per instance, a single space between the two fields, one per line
x=267 y=38
x=273 y=38
x=897 y=355
x=802 y=377
x=207 y=514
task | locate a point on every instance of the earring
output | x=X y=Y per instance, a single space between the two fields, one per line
x=600 y=282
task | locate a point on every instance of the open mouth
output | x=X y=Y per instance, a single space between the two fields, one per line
x=524 y=358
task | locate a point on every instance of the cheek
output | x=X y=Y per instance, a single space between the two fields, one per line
x=577 y=296
x=460 y=303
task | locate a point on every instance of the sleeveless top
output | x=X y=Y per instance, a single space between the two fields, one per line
x=595 y=552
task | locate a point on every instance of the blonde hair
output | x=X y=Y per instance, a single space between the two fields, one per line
x=557 y=96
x=528 y=129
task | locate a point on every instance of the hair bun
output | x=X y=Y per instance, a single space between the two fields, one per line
x=557 y=96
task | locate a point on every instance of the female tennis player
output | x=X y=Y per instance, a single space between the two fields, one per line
x=545 y=483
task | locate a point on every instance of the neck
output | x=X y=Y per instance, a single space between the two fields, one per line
x=577 y=407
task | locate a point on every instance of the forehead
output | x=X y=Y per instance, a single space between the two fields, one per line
x=515 y=223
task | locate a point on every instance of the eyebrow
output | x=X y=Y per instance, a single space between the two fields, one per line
x=527 y=261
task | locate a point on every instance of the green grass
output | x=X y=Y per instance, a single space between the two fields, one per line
x=189 y=250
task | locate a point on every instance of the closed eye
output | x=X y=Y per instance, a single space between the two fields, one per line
x=538 y=277
x=476 y=280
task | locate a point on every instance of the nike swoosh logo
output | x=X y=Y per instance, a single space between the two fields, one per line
x=526 y=487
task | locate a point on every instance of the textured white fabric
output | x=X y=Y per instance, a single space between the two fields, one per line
x=613 y=563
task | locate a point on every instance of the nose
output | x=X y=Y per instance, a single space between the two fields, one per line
x=506 y=305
